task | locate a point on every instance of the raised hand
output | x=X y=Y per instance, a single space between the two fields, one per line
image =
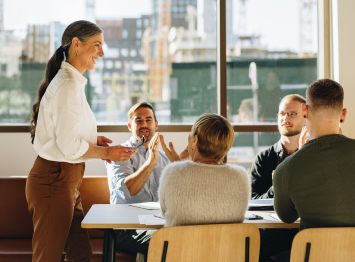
x=170 y=153
x=303 y=139
x=153 y=148
x=184 y=155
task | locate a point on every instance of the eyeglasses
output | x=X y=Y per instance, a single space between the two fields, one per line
x=142 y=142
x=290 y=115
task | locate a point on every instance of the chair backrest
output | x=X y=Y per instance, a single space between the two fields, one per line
x=324 y=244
x=217 y=243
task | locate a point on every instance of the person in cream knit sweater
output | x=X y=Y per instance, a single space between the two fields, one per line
x=204 y=190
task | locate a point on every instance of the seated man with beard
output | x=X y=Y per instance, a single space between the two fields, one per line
x=290 y=123
x=137 y=179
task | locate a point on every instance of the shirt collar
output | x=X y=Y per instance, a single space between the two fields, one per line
x=82 y=80
x=278 y=147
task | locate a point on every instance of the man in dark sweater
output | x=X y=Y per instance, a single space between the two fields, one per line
x=317 y=182
x=290 y=123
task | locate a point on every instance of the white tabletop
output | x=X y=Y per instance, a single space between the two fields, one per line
x=126 y=217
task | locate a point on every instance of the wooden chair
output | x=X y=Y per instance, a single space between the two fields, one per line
x=324 y=244
x=217 y=243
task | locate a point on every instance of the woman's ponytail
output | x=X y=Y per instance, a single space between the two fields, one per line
x=52 y=69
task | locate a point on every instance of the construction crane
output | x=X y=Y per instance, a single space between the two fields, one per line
x=89 y=10
x=242 y=25
x=306 y=27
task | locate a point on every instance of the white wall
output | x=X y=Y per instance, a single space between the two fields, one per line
x=17 y=154
x=346 y=22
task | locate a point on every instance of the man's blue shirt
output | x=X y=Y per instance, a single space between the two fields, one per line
x=118 y=171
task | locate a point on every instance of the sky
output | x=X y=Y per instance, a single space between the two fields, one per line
x=276 y=20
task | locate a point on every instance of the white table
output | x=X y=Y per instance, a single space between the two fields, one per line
x=108 y=217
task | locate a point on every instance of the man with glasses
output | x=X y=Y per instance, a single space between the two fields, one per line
x=290 y=123
x=136 y=180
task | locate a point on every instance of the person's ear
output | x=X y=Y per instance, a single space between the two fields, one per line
x=75 y=42
x=129 y=126
x=343 y=115
x=195 y=141
x=304 y=110
x=156 y=125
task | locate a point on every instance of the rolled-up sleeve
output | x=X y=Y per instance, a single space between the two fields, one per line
x=116 y=173
x=69 y=121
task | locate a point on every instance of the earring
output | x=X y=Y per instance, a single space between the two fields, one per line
x=76 y=52
x=304 y=116
x=341 y=121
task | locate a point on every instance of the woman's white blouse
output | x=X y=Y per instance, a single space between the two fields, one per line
x=65 y=125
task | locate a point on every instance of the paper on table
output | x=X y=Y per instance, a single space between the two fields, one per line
x=261 y=202
x=147 y=205
x=277 y=217
x=150 y=220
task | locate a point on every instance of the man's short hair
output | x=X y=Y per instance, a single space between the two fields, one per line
x=246 y=106
x=215 y=135
x=294 y=97
x=325 y=94
x=139 y=105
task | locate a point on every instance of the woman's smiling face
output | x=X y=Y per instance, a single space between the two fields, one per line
x=90 y=51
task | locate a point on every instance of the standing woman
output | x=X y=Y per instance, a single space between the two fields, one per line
x=64 y=134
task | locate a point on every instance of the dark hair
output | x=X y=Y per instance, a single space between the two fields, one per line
x=139 y=105
x=325 y=94
x=81 y=29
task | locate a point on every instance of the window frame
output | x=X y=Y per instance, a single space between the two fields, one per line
x=324 y=70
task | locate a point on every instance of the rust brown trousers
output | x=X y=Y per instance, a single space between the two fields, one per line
x=52 y=193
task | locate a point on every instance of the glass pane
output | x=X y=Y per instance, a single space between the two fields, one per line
x=248 y=144
x=160 y=51
x=271 y=52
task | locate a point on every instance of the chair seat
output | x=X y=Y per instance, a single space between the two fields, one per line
x=20 y=250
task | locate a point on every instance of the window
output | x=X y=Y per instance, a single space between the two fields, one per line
x=139 y=34
x=180 y=66
x=139 y=23
x=124 y=34
x=109 y=64
x=124 y=52
x=133 y=53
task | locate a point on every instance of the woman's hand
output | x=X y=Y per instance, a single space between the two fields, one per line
x=153 y=148
x=171 y=154
x=103 y=141
x=120 y=153
x=303 y=139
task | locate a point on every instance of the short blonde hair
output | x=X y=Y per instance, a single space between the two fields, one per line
x=139 y=105
x=215 y=136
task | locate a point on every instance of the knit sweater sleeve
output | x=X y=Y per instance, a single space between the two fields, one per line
x=164 y=183
x=283 y=203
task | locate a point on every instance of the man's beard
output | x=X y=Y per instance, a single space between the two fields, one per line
x=289 y=133
x=146 y=139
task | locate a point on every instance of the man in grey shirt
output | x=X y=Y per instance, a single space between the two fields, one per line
x=136 y=180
